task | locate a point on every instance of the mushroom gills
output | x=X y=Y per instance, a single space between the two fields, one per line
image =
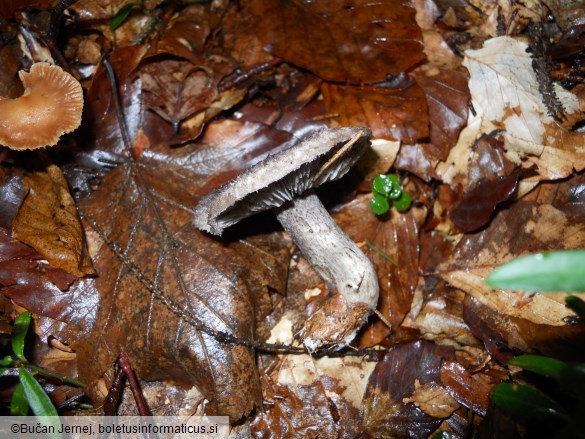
x=333 y=255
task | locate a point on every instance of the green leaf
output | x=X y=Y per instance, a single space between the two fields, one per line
x=555 y=271
x=381 y=185
x=396 y=191
x=545 y=366
x=19 y=403
x=39 y=401
x=6 y=361
x=121 y=16
x=19 y=330
x=403 y=203
x=577 y=305
x=572 y=379
x=379 y=205
x=526 y=402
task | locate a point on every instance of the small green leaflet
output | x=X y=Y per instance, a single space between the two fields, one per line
x=18 y=403
x=39 y=402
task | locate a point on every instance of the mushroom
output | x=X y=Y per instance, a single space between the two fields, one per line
x=285 y=182
x=50 y=106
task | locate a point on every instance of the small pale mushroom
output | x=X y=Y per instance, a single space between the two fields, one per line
x=284 y=183
x=50 y=106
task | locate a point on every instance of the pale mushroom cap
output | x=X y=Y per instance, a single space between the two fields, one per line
x=325 y=156
x=50 y=106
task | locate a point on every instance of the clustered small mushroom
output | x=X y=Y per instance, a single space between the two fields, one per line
x=285 y=182
x=50 y=106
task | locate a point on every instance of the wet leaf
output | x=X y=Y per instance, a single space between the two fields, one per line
x=385 y=413
x=47 y=220
x=518 y=108
x=398 y=113
x=38 y=400
x=176 y=90
x=448 y=100
x=554 y=271
x=358 y=42
x=29 y=281
x=18 y=402
x=527 y=402
x=545 y=366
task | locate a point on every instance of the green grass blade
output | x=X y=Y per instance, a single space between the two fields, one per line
x=121 y=16
x=19 y=330
x=555 y=271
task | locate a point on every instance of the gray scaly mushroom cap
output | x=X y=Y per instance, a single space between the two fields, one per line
x=325 y=156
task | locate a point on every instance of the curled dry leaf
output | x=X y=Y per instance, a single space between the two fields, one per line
x=47 y=220
x=517 y=108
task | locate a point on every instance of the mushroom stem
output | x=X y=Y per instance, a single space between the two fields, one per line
x=335 y=257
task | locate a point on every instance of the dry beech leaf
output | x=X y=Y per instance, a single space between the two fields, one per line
x=385 y=414
x=47 y=220
x=176 y=89
x=505 y=94
x=399 y=113
x=523 y=228
x=310 y=396
x=448 y=100
x=433 y=399
x=356 y=42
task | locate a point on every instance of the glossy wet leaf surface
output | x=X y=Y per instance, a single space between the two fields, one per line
x=96 y=239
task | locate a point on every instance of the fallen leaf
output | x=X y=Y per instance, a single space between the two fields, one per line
x=433 y=399
x=176 y=89
x=358 y=42
x=47 y=220
x=517 y=108
x=526 y=227
x=448 y=100
x=391 y=113
x=385 y=414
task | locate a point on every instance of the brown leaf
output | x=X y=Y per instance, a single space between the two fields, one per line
x=47 y=221
x=186 y=35
x=448 y=100
x=397 y=238
x=30 y=282
x=385 y=413
x=470 y=390
x=357 y=42
x=214 y=283
x=176 y=90
x=391 y=113
x=525 y=227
